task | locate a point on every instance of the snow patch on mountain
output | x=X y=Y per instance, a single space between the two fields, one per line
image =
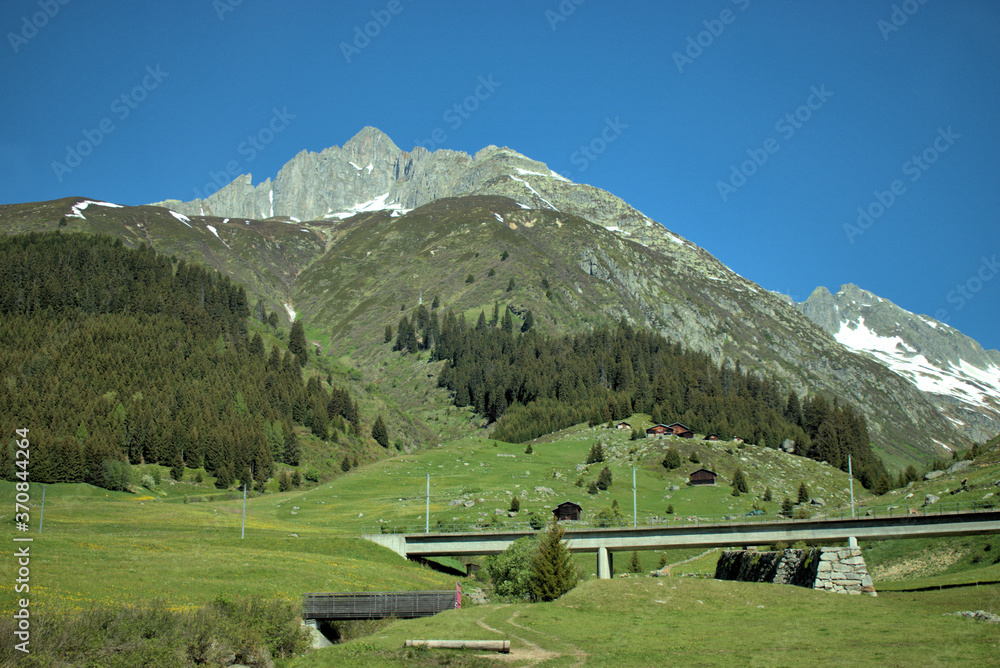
x=376 y=204
x=964 y=382
x=181 y=217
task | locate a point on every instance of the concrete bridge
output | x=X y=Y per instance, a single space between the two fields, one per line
x=606 y=541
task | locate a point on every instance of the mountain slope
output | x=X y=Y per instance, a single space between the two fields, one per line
x=954 y=371
x=382 y=230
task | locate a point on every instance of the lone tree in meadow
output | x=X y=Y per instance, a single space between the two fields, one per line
x=767 y=494
x=740 y=481
x=380 y=433
x=803 y=493
x=596 y=454
x=786 y=507
x=552 y=571
x=672 y=458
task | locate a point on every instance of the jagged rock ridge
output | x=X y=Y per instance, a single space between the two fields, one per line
x=959 y=376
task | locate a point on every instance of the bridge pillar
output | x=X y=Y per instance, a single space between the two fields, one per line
x=852 y=541
x=603 y=563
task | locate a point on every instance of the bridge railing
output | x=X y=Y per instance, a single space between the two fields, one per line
x=800 y=514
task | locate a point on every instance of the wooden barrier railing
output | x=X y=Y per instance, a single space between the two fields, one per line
x=376 y=605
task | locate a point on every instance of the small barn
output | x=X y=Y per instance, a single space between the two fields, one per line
x=679 y=430
x=712 y=437
x=567 y=510
x=623 y=425
x=703 y=477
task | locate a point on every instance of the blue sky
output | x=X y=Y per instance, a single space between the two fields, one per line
x=755 y=128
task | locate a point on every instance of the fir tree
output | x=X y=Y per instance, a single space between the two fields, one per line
x=786 y=507
x=388 y=333
x=297 y=342
x=596 y=454
x=803 y=493
x=504 y=256
x=671 y=458
x=380 y=433
x=529 y=321
x=634 y=566
x=552 y=570
x=740 y=481
x=767 y=494
x=515 y=504
x=604 y=479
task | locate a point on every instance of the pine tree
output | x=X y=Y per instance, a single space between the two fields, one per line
x=767 y=494
x=596 y=454
x=672 y=458
x=345 y=464
x=803 y=493
x=380 y=433
x=177 y=466
x=529 y=321
x=504 y=256
x=604 y=479
x=634 y=566
x=529 y=450
x=388 y=333
x=297 y=342
x=740 y=481
x=786 y=507
x=515 y=504
x=552 y=570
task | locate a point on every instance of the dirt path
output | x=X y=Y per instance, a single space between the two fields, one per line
x=526 y=656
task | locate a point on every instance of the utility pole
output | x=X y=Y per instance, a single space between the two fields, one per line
x=850 y=472
x=634 y=511
x=244 y=526
x=427 y=512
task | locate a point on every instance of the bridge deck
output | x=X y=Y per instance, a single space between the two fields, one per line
x=376 y=605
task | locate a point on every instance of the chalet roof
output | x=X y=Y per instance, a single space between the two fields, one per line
x=570 y=503
x=706 y=471
x=678 y=424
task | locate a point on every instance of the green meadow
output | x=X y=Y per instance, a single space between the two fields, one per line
x=179 y=543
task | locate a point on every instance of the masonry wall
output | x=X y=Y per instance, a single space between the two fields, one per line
x=836 y=569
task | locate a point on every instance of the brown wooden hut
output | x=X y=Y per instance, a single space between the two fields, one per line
x=703 y=477
x=567 y=510
x=623 y=425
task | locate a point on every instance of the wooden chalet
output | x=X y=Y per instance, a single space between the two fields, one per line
x=658 y=431
x=703 y=477
x=567 y=510
x=679 y=430
x=623 y=425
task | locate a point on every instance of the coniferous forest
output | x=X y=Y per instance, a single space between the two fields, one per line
x=530 y=384
x=113 y=357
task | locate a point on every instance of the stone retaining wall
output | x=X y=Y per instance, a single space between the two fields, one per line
x=837 y=569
